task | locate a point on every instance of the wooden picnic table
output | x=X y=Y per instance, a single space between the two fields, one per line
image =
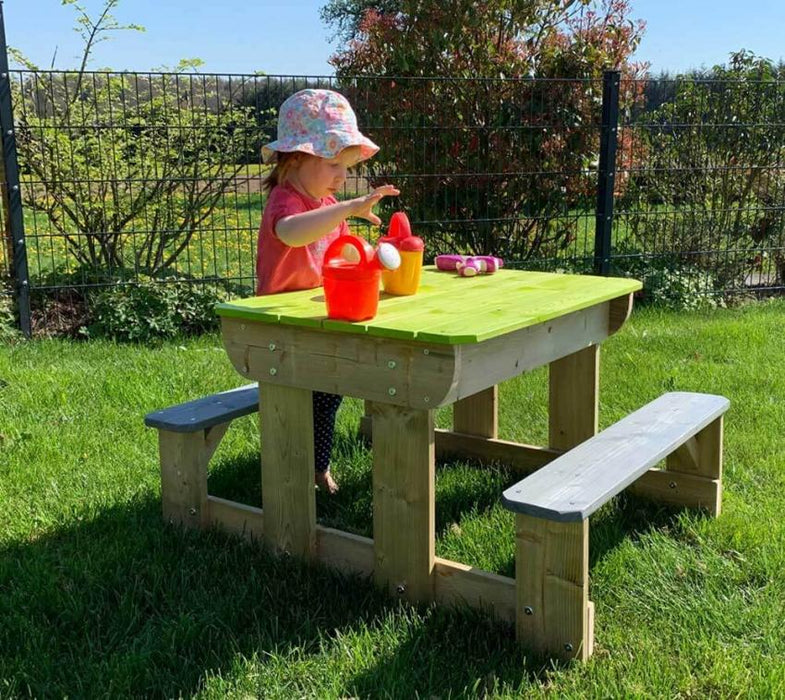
x=451 y=343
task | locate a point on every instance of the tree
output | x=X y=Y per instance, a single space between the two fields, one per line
x=715 y=149
x=486 y=112
x=126 y=168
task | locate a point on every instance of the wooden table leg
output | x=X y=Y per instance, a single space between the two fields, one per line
x=403 y=500
x=554 y=615
x=478 y=414
x=573 y=398
x=288 y=495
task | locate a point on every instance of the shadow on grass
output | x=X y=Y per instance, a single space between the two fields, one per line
x=125 y=605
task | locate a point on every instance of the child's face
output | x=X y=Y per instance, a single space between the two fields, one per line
x=322 y=177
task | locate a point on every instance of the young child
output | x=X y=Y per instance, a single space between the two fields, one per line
x=318 y=141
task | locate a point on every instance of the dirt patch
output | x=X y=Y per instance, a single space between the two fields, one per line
x=61 y=316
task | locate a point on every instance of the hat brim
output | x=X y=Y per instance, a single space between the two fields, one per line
x=367 y=147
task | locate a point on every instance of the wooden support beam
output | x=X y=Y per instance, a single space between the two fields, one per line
x=478 y=414
x=701 y=456
x=523 y=459
x=453 y=583
x=403 y=500
x=237 y=518
x=288 y=495
x=552 y=580
x=344 y=550
x=459 y=584
x=685 y=490
x=184 y=458
x=573 y=398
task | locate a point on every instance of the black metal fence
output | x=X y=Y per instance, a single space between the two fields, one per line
x=111 y=178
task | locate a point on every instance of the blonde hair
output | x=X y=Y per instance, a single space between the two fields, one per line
x=284 y=162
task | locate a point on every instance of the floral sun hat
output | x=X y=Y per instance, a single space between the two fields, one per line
x=319 y=122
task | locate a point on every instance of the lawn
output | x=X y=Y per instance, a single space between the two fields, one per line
x=98 y=598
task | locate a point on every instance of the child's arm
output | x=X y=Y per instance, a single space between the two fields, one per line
x=301 y=229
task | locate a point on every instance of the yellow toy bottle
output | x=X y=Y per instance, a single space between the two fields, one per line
x=406 y=279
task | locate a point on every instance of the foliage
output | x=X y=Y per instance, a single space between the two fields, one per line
x=8 y=324
x=126 y=168
x=487 y=157
x=713 y=180
x=685 y=289
x=153 y=310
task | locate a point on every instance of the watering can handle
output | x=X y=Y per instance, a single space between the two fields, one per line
x=363 y=248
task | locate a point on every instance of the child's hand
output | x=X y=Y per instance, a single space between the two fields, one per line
x=363 y=205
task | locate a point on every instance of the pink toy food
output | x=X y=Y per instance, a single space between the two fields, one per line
x=449 y=262
x=469 y=265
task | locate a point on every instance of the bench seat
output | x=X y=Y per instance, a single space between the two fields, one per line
x=206 y=412
x=573 y=486
x=188 y=435
x=554 y=616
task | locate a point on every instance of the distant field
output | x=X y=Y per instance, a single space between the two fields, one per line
x=223 y=246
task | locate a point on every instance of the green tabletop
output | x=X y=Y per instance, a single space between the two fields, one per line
x=447 y=308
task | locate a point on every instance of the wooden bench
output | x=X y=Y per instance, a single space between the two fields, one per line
x=188 y=435
x=554 y=615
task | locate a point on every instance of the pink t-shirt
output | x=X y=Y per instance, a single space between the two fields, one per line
x=283 y=268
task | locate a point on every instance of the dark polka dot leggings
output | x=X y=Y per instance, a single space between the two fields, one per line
x=325 y=406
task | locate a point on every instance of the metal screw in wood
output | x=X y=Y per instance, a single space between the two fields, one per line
x=391 y=391
x=568 y=647
x=400 y=589
x=529 y=610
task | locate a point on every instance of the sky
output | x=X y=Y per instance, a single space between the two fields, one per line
x=289 y=38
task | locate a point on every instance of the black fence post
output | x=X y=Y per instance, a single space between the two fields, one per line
x=11 y=191
x=607 y=171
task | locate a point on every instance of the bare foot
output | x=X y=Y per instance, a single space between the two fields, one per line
x=324 y=480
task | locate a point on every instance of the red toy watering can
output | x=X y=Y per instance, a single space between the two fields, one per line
x=351 y=281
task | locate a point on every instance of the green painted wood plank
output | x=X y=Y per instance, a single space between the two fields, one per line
x=447 y=308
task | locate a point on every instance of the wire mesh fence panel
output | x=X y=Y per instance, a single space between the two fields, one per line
x=134 y=176
x=499 y=167
x=703 y=203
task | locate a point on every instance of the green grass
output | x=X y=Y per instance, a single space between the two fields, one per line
x=223 y=245
x=98 y=598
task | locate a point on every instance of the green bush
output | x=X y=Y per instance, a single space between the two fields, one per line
x=683 y=290
x=8 y=327
x=155 y=309
x=712 y=183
